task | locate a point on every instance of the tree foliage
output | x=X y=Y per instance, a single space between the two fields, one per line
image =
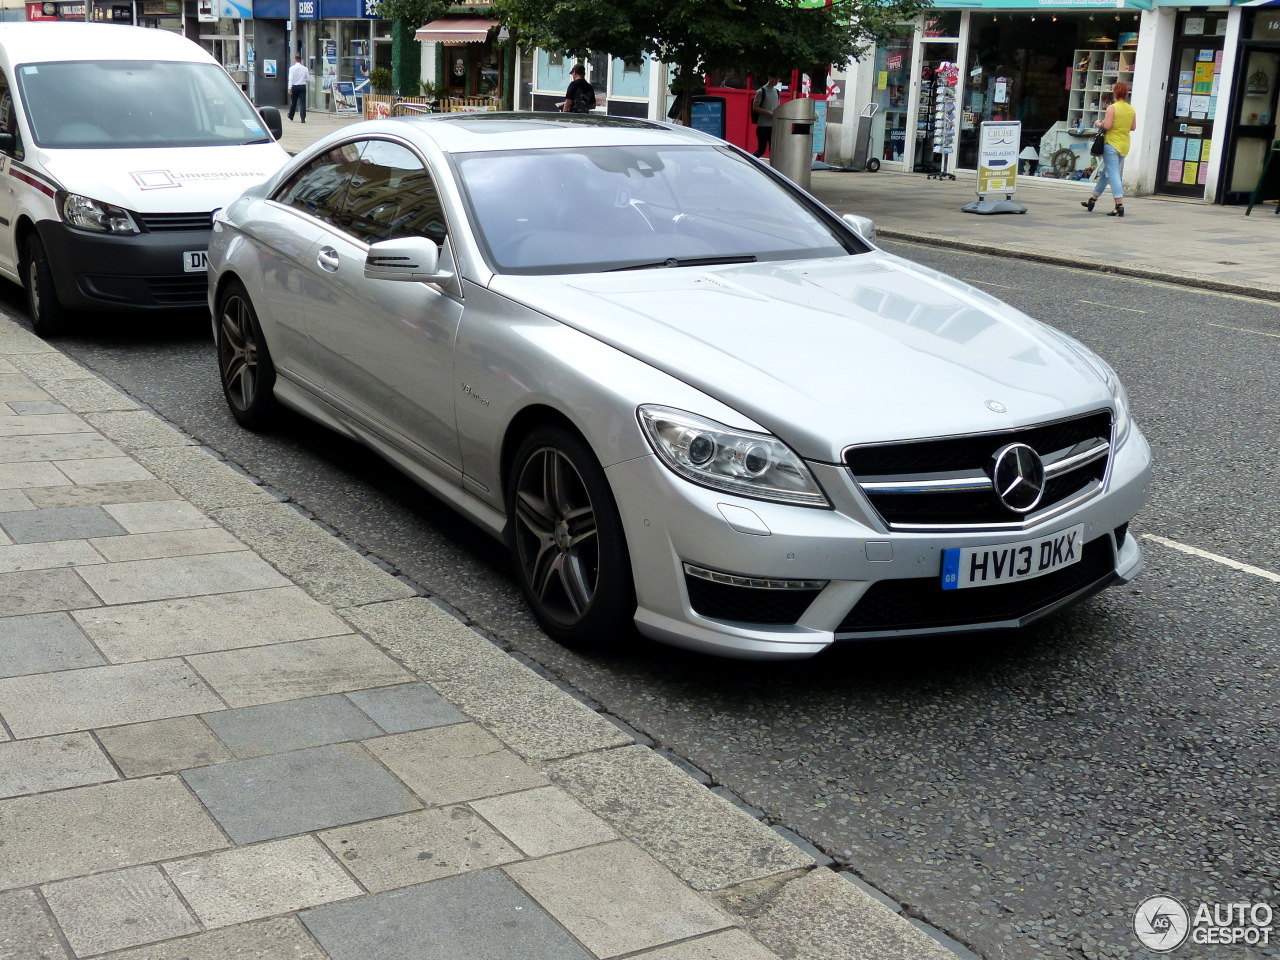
x=752 y=36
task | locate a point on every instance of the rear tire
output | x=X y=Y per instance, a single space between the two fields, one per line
x=244 y=363
x=567 y=542
x=49 y=318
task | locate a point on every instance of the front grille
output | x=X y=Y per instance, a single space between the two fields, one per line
x=723 y=601
x=922 y=603
x=883 y=471
x=179 y=291
x=169 y=222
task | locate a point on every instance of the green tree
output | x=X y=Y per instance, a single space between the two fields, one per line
x=757 y=36
x=406 y=58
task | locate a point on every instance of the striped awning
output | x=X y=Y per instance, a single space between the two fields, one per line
x=455 y=30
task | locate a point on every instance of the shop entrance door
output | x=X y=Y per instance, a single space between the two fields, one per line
x=1258 y=99
x=931 y=135
x=1190 y=105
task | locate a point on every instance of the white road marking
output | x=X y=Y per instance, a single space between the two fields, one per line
x=987 y=283
x=1261 y=333
x=1206 y=555
x=1111 y=306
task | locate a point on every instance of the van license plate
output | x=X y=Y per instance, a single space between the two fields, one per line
x=195 y=261
x=1010 y=562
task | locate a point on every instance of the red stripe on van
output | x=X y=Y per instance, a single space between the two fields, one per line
x=28 y=179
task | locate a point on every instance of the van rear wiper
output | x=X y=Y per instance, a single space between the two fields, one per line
x=687 y=262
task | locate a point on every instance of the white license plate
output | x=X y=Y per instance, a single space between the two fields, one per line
x=964 y=567
x=195 y=261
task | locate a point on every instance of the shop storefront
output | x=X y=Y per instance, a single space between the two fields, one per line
x=1255 y=102
x=463 y=57
x=624 y=88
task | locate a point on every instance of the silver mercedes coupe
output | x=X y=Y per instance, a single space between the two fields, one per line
x=682 y=391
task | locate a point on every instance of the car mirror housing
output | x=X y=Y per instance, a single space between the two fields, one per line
x=415 y=259
x=864 y=227
x=271 y=117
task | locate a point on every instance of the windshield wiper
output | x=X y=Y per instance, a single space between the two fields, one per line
x=687 y=262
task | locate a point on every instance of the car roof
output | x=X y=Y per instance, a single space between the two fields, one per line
x=483 y=132
x=45 y=42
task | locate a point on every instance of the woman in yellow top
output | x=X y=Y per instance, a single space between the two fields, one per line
x=1120 y=121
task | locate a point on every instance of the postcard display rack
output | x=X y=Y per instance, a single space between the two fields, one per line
x=1094 y=74
x=945 y=81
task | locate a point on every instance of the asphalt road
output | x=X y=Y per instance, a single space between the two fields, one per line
x=1022 y=793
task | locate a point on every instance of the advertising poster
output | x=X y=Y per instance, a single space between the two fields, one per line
x=998 y=156
x=1190 y=172
x=819 y=128
x=1178 y=148
x=1175 y=171
x=328 y=64
x=344 y=99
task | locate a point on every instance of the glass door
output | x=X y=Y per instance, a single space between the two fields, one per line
x=936 y=109
x=1191 y=104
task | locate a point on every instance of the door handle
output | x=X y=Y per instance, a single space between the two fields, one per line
x=327 y=258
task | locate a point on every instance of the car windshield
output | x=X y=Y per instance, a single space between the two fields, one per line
x=635 y=207
x=99 y=104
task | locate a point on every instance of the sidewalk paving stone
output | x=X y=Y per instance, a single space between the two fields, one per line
x=132 y=429
x=56 y=446
x=105 y=469
x=192 y=625
x=405 y=707
x=290 y=725
x=14 y=476
x=725 y=945
x=59 y=523
x=544 y=820
x=26 y=933
x=31 y=426
x=304 y=668
x=156 y=546
x=133 y=581
x=111 y=911
x=124 y=491
x=250 y=883
x=35 y=408
x=84 y=830
x=163 y=516
x=281 y=938
x=17 y=558
x=44 y=642
x=52 y=763
x=616 y=899
x=701 y=837
x=11 y=500
x=285 y=794
x=16 y=387
x=162 y=746
x=451 y=764
x=88 y=396
x=43 y=591
x=418 y=847
x=200 y=477
x=477 y=916
x=71 y=700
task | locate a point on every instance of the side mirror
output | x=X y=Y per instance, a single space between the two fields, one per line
x=271 y=117
x=8 y=142
x=864 y=227
x=415 y=259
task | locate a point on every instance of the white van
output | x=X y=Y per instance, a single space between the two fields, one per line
x=116 y=146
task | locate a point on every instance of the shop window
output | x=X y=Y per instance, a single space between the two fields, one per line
x=555 y=58
x=631 y=78
x=941 y=23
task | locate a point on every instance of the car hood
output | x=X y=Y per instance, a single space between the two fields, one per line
x=168 y=180
x=825 y=353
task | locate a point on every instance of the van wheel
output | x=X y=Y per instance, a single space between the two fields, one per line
x=244 y=364
x=48 y=317
x=567 y=541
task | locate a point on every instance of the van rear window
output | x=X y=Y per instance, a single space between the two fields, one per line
x=103 y=104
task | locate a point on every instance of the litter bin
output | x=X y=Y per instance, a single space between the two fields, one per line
x=792 y=144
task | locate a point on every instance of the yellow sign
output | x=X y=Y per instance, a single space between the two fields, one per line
x=883 y=82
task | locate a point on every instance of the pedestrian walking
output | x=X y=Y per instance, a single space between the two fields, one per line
x=1120 y=120
x=762 y=106
x=298 y=77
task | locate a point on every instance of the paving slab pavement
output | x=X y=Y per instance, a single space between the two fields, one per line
x=227 y=735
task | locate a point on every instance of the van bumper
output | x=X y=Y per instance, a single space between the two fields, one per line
x=142 y=272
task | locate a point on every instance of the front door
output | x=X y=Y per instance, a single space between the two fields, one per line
x=1191 y=104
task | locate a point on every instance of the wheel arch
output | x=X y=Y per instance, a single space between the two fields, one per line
x=521 y=425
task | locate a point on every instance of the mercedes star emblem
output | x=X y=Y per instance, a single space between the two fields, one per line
x=1018 y=474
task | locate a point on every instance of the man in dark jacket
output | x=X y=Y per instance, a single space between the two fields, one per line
x=581 y=96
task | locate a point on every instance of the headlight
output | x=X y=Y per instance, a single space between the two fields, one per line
x=735 y=461
x=85 y=213
x=1124 y=420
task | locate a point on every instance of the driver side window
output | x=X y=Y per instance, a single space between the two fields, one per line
x=393 y=196
x=320 y=188
x=8 y=116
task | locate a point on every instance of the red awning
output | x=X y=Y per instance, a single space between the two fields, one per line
x=455 y=30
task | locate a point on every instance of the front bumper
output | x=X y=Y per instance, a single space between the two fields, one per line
x=110 y=273
x=671 y=522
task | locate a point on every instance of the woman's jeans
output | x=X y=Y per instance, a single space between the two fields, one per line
x=1111 y=161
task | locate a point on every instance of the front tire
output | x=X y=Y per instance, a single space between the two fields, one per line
x=244 y=363
x=567 y=541
x=48 y=317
